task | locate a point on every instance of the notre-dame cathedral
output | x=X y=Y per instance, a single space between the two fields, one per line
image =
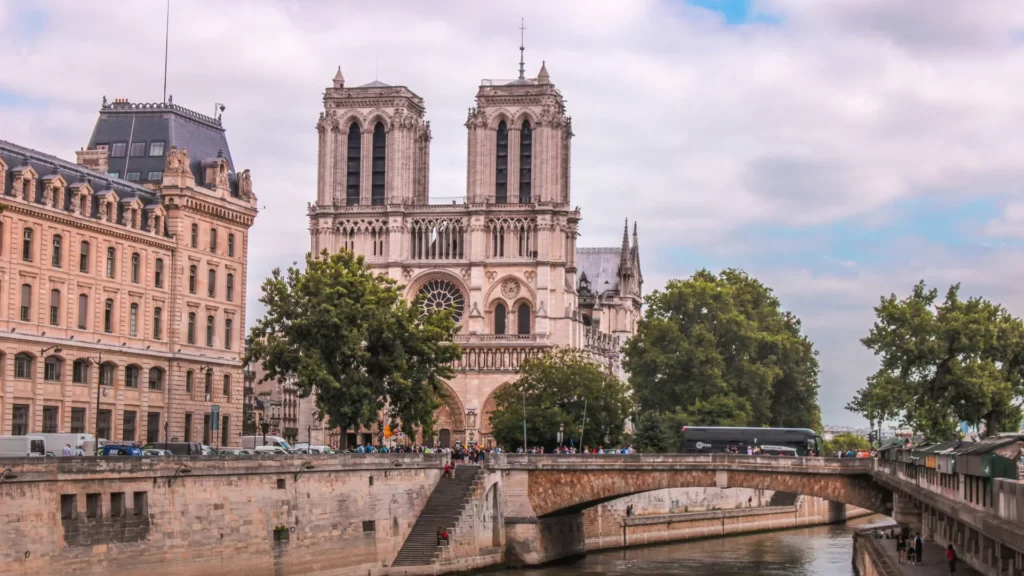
x=503 y=257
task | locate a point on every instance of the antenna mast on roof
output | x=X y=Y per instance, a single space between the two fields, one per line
x=522 y=48
x=167 y=35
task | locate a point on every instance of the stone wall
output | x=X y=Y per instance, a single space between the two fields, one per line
x=338 y=515
x=868 y=559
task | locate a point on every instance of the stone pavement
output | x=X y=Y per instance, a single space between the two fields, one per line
x=934 y=561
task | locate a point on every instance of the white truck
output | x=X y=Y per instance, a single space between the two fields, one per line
x=55 y=442
x=22 y=446
x=251 y=442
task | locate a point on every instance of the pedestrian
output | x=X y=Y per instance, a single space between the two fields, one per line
x=750 y=501
x=67 y=451
x=448 y=470
x=918 y=548
x=901 y=547
x=951 y=559
x=911 y=552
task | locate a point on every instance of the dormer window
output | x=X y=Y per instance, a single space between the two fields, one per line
x=138 y=149
x=118 y=149
x=156 y=148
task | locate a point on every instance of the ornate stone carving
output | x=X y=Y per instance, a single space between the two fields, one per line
x=466 y=273
x=475 y=312
x=407 y=274
x=245 y=184
x=529 y=275
x=491 y=276
x=177 y=160
x=510 y=288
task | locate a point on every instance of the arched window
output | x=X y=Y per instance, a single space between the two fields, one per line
x=227 y=333
x=230 y=287
x=26 y=245
x=231 y=244
x=136 y=260
x=111 y=254
x=26 y=302
x=213 y=239
x=211 y=282
x=353 y=163
x=194 y=241
x=83 y=311
x=157 y=327
x=499 y=319
x=55 y=258
x=83 y=258
x=156 y=378
x=380 y=142
x=189 y=379
x=209 y=331
x=22 y=365
x=133 y=320
x=192 y=279
x=525 y=162
x=80 y=371
x=191 y=327
x=108 y=316
x=52 y=369
x=131 y=376
x=158 y=274
x=501 y=162
x=523 y=318
x=107 y=374
x=54 y=307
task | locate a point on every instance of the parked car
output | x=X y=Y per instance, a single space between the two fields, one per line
x=121 y=450
x=234 y=451
x=22 y=446
x=270 y=450
x=305 y=448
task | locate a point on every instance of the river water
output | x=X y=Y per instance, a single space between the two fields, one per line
x=817 y=551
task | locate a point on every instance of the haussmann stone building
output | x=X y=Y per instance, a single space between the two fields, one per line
x=503 y=257
x=122 y=278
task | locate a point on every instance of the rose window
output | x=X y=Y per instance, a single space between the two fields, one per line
x=443 y=295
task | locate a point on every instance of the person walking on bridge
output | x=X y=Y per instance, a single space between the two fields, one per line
x=951 y=559
x=918 y=547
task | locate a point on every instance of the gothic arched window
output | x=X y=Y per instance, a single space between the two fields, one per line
x=380 y=141
x=499 y=319
x=523 y=319
x=443 y=295
x=525 y=162
x=353 y=161
x=501 y=170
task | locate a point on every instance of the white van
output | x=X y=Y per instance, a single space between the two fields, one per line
x=55 y=442
x=22 y=446
x=268 y=449
x=304 y=447
x=252 y=442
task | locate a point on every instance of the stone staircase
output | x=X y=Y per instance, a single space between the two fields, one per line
x=443 y=508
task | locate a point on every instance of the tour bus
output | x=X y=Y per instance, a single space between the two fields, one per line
x=22 y=446
x=710 y=439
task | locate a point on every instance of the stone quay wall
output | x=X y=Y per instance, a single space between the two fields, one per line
x=868 y=558
x=314 y=515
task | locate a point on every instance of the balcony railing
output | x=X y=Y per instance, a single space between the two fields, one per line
x=496 y=358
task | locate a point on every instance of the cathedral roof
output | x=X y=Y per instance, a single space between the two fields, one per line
x=601 y=265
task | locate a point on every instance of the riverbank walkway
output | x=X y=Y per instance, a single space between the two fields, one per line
x=934 y=561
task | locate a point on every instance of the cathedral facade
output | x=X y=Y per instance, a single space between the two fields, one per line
x=503 y=258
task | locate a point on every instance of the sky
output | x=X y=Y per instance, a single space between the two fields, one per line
x=838 y=150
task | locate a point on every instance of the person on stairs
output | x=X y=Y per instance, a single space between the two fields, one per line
x=442 y=536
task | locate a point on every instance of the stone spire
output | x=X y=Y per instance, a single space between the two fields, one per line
x=339 y=79
x=624 y=254
x=636 y=241
x=542 y=76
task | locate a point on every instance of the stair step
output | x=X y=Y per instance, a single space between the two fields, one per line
x=443 y=508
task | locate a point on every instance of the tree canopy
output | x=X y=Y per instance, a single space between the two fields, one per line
x=942 y=364
x=719 y=349
x=556 y=387
x=844 y=442
x=348 y=334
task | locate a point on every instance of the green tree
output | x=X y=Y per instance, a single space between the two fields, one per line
x=722 y=341
x=552 y=390
x=941 y=364
x=348 y=334
x=655 y=432
x=846 y=441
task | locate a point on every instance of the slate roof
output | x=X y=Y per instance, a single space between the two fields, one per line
x=174 y=125
x=989 y=444
x=601 y=266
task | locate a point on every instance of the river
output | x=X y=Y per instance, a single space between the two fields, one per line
x=817 y=551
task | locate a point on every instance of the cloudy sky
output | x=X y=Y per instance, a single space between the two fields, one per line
x=839 y=150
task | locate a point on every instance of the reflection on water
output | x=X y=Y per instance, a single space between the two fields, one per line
x=818 y=551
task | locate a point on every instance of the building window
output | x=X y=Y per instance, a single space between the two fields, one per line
x=131 y=376
x=525 y=162
x=499 y=319
x=133 y=320
x=50 y=419
x=156 y=323
x=103 y=428
x=195 y=235
x=209 y=331
x=152 y=435
x=156 y=148
x=155 y=176
x=83 y=311
x=206 y=428
x=107 y=375
x=192 y=279
x=108 y=316
x=230 y=287
x=83 y=258
x=19 y=420
x=22 y=366
x=114 y=174
x=227 y=333
x=188 y=427
x=135 y=267
x=118 y=149
x=213 y=239
x=111 y=254
x=80 y=371
x=524 y=318
x=128 y=429
x=54 y=307
x=227 y=386
x=26 y=245
x=211 y=282
x=78 y=420
x=224 y=427
x=191 y=327
x=380 y=141
x=354 y=164
x=501 y=171
x=133 y=176
x=231 y=244
x=26 y=302
x=51 y=369
x=138 y=149
x=55 y=258
x=156 y=378
x=158 y=274
x=208 y=384
x=189 y=377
